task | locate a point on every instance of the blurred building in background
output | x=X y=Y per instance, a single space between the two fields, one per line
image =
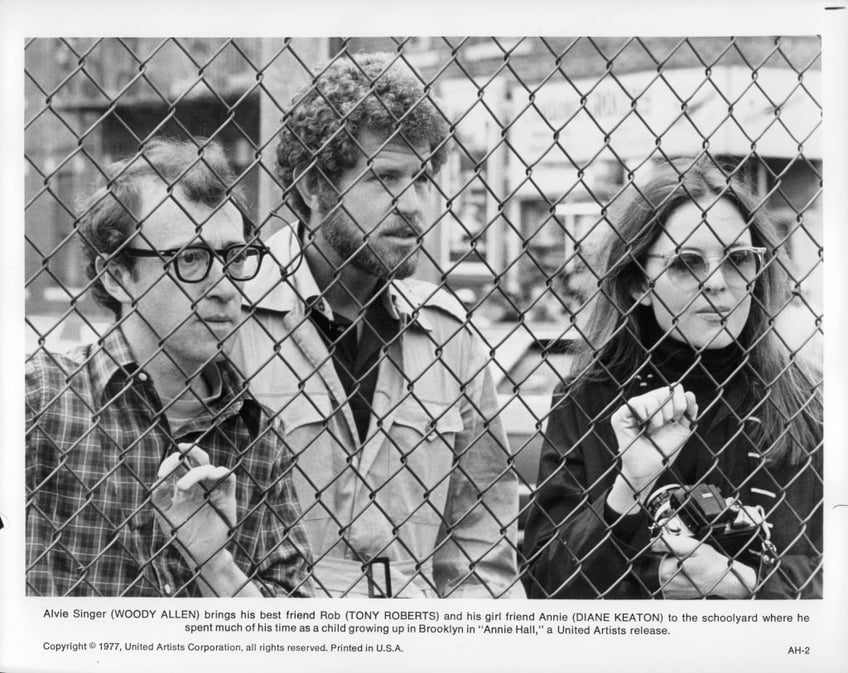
x=547 y=131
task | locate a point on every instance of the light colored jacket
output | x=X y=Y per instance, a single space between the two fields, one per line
x=431 y=489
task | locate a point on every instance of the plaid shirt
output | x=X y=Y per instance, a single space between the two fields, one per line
x=96 y=436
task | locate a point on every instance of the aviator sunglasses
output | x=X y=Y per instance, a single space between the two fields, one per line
x=739 y=266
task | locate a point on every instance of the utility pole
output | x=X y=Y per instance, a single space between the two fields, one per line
x=282 y=76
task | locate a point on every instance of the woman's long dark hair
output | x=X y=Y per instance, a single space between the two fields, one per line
x=788 y=398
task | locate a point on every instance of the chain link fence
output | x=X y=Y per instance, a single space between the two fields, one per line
x=611 y=216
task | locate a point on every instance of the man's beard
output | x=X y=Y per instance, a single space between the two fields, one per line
x=346 y=239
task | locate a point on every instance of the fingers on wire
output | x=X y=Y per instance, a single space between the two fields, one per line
x=186 y=468
x=659 y=407
x=189 y=456
x=208 y=476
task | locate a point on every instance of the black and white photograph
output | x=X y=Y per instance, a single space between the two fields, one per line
x=533 y=319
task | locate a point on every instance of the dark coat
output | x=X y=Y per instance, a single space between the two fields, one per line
x=578 y=548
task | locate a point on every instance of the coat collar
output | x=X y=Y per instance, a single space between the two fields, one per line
x=285 y=283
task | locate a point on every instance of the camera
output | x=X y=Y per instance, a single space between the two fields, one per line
x=701 y=512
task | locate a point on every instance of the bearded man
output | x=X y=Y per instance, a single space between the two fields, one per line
x=402 y=463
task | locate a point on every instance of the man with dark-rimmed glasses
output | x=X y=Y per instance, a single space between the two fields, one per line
x=150 y=470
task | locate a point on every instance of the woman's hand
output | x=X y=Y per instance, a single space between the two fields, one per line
x=650 y=430
x=694 y=569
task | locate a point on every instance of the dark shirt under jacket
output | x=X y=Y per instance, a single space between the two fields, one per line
x=357 y=359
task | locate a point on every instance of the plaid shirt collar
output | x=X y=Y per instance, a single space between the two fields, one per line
x=111 y=356
x=112 y=362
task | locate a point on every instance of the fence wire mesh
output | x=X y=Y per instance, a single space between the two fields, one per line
x=595 y=371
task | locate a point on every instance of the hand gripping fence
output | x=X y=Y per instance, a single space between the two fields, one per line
x=599 y=222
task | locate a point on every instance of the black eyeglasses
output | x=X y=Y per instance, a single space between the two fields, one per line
x=739 y=266
x=192 y=263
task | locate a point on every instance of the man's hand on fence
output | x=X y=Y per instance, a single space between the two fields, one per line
x=195 y=503
x=693 y=569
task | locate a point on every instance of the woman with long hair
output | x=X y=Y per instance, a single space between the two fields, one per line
x=682 y=458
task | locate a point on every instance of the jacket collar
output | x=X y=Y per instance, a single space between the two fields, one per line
x=285 y=283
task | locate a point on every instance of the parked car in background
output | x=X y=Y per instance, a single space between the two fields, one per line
x=528 y=361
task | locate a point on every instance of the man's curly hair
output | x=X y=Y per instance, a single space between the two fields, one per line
x=371 y=92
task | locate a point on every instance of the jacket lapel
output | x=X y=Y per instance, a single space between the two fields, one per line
x=388 y=395
x=310 y=343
